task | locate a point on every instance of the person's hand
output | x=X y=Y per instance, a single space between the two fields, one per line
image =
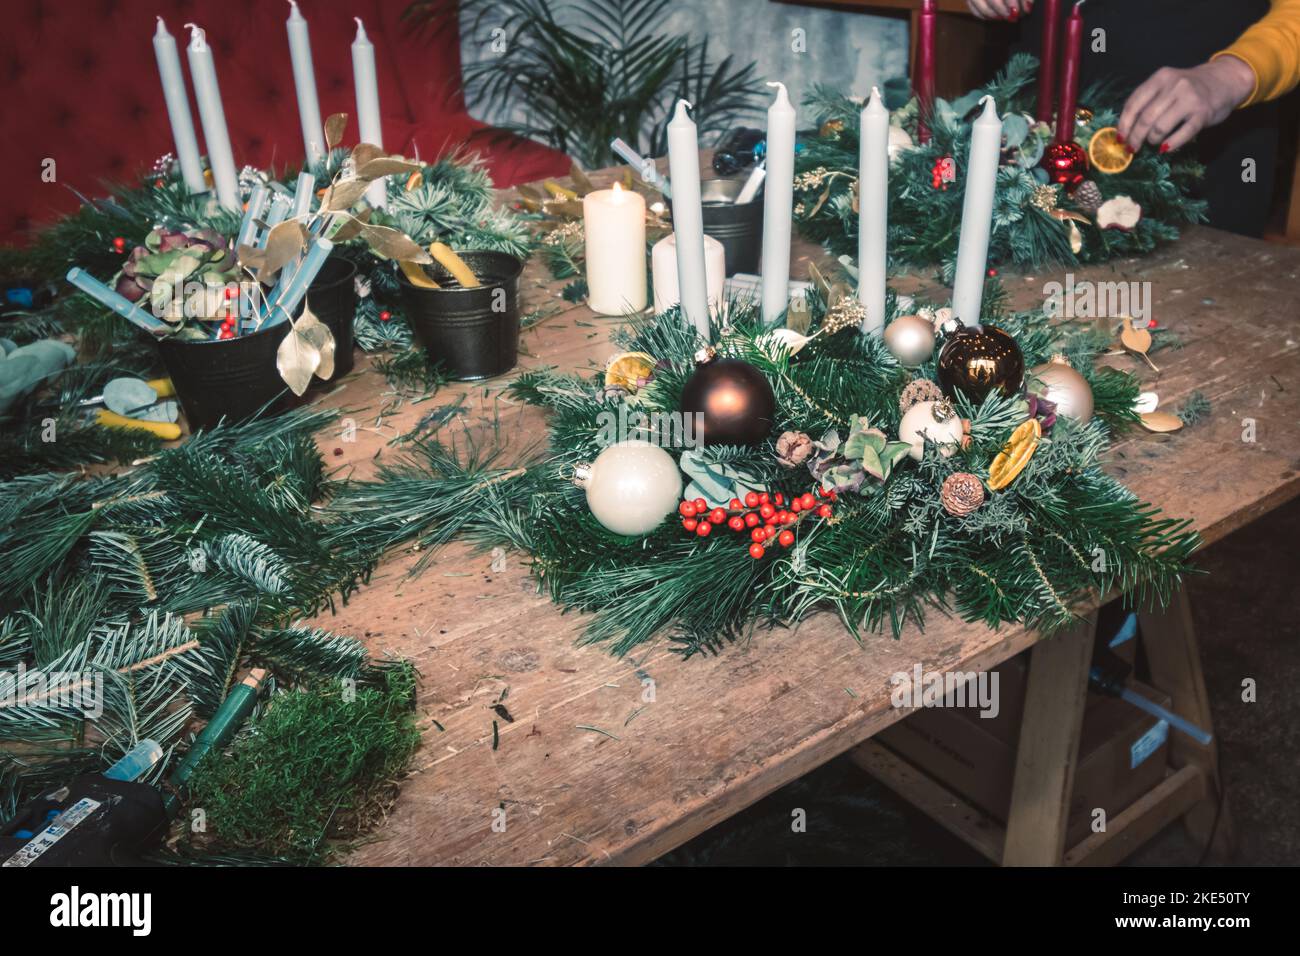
x=999 y=9
x=1174 y=105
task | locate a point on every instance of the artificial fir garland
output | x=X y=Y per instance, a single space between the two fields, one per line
x=1027 y=555
x=925 y=207
x=167 y=582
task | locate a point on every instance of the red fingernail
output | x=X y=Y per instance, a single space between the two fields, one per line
x=1164 y=148
x=1119 y=138
x=1129 y=147
x=1015 y=15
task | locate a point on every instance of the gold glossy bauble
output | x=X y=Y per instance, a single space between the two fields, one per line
x=1065 y=388
x=976 y=359
x=910 y=339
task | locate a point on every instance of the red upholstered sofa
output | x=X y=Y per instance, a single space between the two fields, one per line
x=81 y=87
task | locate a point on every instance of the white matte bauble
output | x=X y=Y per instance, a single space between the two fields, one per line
x=937 y=421
x=910 y=339
x=1065 y=388
x=631 y=487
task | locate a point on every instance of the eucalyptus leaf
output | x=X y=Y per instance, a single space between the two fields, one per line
x=286 y=240
x=127 y=395
x=363 y=153
x=1014 y=129
x=297 y=359
x=715 y=483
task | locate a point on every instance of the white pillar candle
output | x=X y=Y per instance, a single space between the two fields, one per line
x=873 y=211
x=663 y=265
x=304 y=81
x=215 y=135
x=178 y=109
x=688 y=219
x=778 y=205
x=369 y=124
x=614 y=223
x=977 y=214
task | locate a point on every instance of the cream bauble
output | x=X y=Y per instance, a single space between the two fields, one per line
x=631 y=487
x=1065 y=388
x=910 y=339
x=937 y=421
x=900 y=140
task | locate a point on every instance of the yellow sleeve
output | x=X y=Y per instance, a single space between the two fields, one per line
x=1271 y=48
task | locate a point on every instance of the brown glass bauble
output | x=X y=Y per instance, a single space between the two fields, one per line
x=975 y=360
x=735 y=399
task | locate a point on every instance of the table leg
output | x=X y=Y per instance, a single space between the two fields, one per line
x=1169 y=638
x=1049 y=747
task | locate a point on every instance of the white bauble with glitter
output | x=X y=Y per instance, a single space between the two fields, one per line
x=937 y=421
x=631 y=487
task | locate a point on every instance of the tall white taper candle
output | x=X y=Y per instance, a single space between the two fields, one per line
x=873 y=211
x=178 y=109
x=778 y=205
x=688 y=218
x=977 y=214
x=369 y=124
x=215 y=135
x=304 y=81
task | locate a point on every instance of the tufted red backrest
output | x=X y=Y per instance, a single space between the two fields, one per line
x=82 y=88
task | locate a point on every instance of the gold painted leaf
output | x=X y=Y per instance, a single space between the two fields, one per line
x=1160 y=421
x=334 y=127
x=344 y=195
x=580 y=180
x=351 y=227
x=1135 y=340
x=387 y=166
x=286 y=240
x=363 y=153
x=394 y=245
x=250 y=257
x=297 y=360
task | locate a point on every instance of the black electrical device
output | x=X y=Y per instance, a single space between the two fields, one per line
x=92 y=821
x=739 y=149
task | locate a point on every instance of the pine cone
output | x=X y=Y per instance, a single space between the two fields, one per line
x=962 y=493
x=919 y=390
x=1088 y=196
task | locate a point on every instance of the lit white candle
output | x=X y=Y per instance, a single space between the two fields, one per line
x=778 y=205
x=873 y=211
x=977 y=214
x=304 y=81
x=178 y=109
x=663 y=265
x=369 y=124
x=614 y=223
x=215 y=135
x=688 y=218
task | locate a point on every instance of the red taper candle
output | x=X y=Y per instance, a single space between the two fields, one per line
x=923 y=78
x=1051 y=10
x=1070 y=76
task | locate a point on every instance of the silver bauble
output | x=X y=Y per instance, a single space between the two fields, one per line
x=1065 y=388
x=631 y=487
x=910 y=339
x=937 y=421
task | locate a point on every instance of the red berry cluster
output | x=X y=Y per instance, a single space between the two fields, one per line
x=764 y=515
x=119 y=244
x=937 y=180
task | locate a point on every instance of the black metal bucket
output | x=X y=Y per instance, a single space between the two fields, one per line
x=226 y=378
x=738 y=227
x=473 y=333
x=333 y=299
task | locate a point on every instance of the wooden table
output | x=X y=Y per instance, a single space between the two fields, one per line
x=619 y=761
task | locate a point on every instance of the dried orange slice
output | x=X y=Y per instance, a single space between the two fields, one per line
x=629 y=370
x=1015 y=454
x=1106 y=151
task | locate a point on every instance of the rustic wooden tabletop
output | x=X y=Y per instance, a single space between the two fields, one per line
x=592 y=770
